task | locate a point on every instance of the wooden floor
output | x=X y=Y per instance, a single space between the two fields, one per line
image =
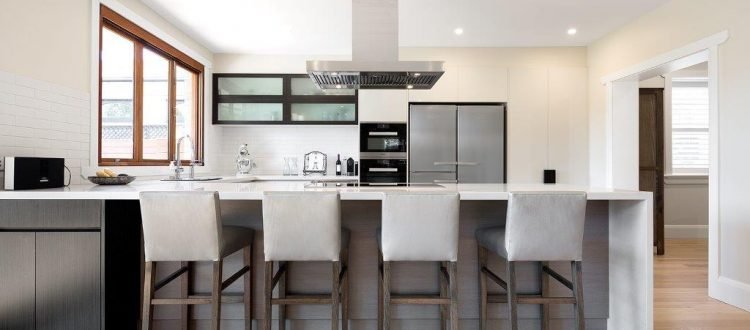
x=681 y=291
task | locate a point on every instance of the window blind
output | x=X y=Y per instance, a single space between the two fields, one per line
x=690 y=125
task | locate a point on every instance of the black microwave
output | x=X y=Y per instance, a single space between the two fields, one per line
x=382 y=140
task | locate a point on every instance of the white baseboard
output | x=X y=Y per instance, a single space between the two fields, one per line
x=686 y=231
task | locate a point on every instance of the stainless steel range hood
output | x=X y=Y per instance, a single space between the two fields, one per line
x=375 y=63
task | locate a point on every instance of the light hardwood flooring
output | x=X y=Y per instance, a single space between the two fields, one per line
x=681 y=291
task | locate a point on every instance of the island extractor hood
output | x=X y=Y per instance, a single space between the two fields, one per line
x=375 y=63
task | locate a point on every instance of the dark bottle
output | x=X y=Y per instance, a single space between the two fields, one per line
x=338 y=164
x=350 y=166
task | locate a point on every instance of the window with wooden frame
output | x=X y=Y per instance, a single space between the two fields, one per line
x=150 y=95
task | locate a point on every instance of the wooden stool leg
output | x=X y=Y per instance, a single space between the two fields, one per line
x=335 y=295
x=482 y=256
x=216 y=296
x=282 y=294
x=247 y=256
x=185 y=283
x=578 y=293
x=512 y=298
x=148 y=294
x=544 y=284
x=443 y=293
x=453 y=283
x=267 y=295
x=345 y=291
x=386 y=295
x=380 y=290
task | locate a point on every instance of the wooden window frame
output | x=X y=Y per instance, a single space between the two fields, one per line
x=143 y=39
x=286 y=99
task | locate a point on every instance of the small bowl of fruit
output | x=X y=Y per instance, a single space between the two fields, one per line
x=108 y=177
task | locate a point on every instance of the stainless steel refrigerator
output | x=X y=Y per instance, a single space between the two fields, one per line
x=456 y=143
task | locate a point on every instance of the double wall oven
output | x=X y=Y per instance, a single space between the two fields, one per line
x=382 y=148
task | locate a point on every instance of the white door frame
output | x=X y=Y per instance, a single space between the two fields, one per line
x=622 y=143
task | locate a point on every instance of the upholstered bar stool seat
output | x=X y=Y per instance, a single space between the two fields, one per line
x=539 y=227
x=304 y=226
x=419 y=227
x=186 y=227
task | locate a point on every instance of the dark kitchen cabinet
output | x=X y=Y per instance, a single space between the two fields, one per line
x=17 y=280
x=50 y=265
x=280 y=99
x=68 y=280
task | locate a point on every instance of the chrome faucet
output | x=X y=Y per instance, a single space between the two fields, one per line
x=177 y=163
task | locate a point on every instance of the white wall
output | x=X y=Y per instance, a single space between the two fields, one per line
x=47 y=46
x=670 y=26
x=44 y=119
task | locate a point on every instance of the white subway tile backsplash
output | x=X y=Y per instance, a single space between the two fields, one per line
x=269 y=144
x=42 y=119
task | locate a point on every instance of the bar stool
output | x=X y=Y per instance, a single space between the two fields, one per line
x=186 y=227
x=539 y=227
x=419 y=227
x=305 y=226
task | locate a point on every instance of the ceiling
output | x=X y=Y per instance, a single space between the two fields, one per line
x=309 y=27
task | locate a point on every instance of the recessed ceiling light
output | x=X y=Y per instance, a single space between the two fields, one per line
x=417 y=74
x=338 y=86
x=409 y=86
x=458 y=31
x=572 y=31
x=334 y=73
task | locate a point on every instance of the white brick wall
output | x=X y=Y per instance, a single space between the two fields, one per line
x=44 y=120
x=269 y=144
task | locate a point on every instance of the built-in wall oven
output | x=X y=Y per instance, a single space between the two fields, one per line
x=382 y=170
x=382 y=152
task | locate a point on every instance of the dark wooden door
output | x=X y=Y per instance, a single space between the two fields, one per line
x=651 y=141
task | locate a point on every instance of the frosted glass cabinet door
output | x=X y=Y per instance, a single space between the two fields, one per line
x=238 y=112
x=324 y=112
x=305 y=86
x=250 y=86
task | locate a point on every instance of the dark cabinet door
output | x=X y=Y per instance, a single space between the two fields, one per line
x=68 y=280
x=16 y=281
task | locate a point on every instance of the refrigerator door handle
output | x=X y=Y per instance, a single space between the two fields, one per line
x=444 y=163
x=467 y=163
x=432 y=171
x=445 y=181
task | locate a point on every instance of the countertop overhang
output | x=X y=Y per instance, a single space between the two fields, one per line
x=254 y=190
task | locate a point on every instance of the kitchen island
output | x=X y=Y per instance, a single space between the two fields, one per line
x=618 y=276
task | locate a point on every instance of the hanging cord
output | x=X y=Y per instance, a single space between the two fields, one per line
x=70 y=175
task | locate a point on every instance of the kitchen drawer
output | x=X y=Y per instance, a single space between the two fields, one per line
x=50 y=214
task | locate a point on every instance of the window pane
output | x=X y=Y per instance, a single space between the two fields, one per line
x=186 y=98
x=323 y=112
x=251 y=111
x=689 y=126
x=117 y=96
x=155 y=106
x=250 y=86
x=305 y=86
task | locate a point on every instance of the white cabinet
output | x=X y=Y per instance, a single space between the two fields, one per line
x=467 y=83
x=383 y=105
x=527 y=125
x=568 y=131
x=482 y=84
x=445 y=90
x=547 y=124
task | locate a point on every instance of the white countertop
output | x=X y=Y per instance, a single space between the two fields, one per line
x=232 y=190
